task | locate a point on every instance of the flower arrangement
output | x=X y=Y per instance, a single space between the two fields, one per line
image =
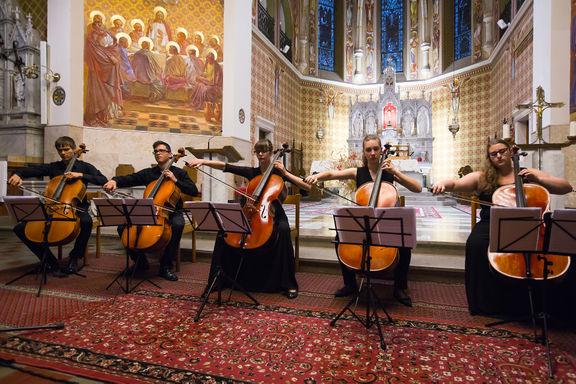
x=347 y=187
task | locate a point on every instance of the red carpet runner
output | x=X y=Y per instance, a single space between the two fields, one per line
x=151 y=336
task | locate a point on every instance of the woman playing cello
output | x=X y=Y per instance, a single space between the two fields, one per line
x=81 y=170
x=274 y=269
x=160 y=173
x=372 y=152
x=487 y=293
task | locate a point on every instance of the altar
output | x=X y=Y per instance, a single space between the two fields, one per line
x=418 y=170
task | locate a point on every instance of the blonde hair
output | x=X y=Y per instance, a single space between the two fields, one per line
x=491 y=175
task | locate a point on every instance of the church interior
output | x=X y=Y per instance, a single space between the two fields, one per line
x=437 y=82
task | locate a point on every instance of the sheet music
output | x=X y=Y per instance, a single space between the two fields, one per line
x=397 y=227
x=514 y=229
x=563 y=232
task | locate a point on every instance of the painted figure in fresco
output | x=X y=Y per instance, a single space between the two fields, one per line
x=209 y=87
x=413 y=53
x=159 y=30
x=214 y=43
x=147 y=70
x=194 y=65
x=103 y=89
x=182 y=39
x=128 y=76
x=136 y=34
x=118 y=23
x=174 y=74
x=199 y=42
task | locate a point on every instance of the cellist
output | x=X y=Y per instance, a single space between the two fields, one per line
x=488 y=294
x=84 y=171
x=371 y=153
x=273 y=270
x=162 y=154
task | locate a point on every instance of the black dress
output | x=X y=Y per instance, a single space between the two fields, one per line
x=270 y=269
x=490 y=293
x=404 y=254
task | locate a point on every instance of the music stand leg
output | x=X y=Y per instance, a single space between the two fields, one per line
x=216 y=282
x=42 y=268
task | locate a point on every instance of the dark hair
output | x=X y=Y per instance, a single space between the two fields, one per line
x=264 y=145
x=160 y=142
x=490 y=172
x=368 y=138
x=65 y=141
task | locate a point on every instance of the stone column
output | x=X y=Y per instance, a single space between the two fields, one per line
x=551 y=68
x=359 y=51
x=238 y=68
x=66 y=57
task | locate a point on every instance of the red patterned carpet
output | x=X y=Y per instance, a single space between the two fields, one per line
x=150 y=335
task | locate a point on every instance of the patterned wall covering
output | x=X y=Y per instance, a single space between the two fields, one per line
x=266 y=67
x=39 y=11
x=171 y=112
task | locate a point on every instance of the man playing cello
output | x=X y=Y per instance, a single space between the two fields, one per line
x=163 y=155
x=81 y=170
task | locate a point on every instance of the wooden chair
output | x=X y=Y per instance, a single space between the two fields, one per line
x=95 y=224
x=188 y=227
x=295 y=230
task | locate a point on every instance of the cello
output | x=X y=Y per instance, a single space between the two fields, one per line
x=525 y=265
x=63 y=195
x=264 y=190
x=375 y=194
x=150 y=238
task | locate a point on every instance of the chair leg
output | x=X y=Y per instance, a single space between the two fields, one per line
x=98 y=242
x=297 y=252
x=178 y=259
x=193 y=246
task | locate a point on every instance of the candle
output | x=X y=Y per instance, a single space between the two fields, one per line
x=572 y=128
x=505 y=131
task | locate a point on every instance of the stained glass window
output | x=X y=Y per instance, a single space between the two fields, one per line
x=392 y=26
x=326 y=35
x=462 y=29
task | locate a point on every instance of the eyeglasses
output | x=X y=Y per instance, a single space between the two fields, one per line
x=499 y=152
x=159 y=151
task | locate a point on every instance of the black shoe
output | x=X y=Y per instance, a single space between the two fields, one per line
x=346 y=290
x=402 y=296
x=292 y=293
x=54 y=270
x=167 y=274
x=72 y=266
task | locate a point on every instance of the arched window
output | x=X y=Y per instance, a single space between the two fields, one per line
x=326 y=35
x=392 y=26
x=462 y=29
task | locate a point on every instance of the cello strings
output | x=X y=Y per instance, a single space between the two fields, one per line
x=48 y=199
x=332 y=193
x=129 y=196
x=240 y=192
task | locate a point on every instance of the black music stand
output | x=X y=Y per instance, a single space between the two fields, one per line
x=23 y=209
x=126 y=212
x=517 y=230
x=220 y=218
x=30 y=208
x=368 y=226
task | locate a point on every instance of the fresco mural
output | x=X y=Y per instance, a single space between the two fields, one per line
x=154 y=65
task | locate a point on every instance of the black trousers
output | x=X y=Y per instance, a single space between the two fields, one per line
x=400 y=273
x=80 y=243
x=170 y=251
